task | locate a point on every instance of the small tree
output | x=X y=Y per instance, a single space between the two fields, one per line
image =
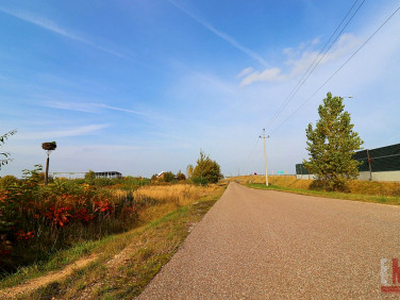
x=6 y=155
x=90 y=176
x=207 y=170
x=332 y=144
x=189 y=171
x=168 y=177
x=180 y=176
x=48 y=147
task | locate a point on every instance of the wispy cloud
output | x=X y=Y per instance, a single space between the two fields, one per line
x=299 y=60
x=88 y=107
x=122 y=109
x=245 y=72
x=55 y=28
x=76 y=131
x=221 y=34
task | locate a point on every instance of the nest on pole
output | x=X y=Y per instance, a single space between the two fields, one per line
x=49 y=146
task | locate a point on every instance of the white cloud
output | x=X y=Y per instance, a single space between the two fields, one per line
x=77 y=131
x=245 y=72
x=221 y=34
x=272 y=74
x=53 y=27
x=299 y=60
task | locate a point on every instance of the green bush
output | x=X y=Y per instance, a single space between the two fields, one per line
x=200 y=180
x=168 y=177
x=207 y=169
x=8 y=181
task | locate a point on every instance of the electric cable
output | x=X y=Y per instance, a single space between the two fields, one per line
x=337 y=71
x=317 y=60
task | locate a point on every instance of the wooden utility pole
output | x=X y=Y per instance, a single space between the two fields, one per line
x=48 y=147
x=369 y=165
x=265 y=155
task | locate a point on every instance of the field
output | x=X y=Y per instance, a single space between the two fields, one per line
x=368 y=191
x=46 y=228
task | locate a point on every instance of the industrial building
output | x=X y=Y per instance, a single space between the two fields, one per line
x=379 y=164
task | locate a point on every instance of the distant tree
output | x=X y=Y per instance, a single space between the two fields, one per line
x=168 y=177
x=8 y=181
x=48 y=147
x=90 y=176
x=180 y=176
x=154 y=177
x=331 y=145
x=206 y=170
x=189 y=171
x=6 y=155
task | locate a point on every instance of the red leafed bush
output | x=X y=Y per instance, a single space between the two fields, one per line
x=24 y=236
x=59 y=216
x=36 y=220
x=103 y=206
x=84 y=215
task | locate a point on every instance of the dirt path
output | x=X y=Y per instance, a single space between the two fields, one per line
x=256 y=244
x=36 y=283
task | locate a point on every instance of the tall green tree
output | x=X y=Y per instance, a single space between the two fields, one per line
x=6 y=155
x=332 y=144
x=206 y=170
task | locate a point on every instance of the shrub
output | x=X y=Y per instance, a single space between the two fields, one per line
x=168 y=177
x=36 y=220
x=8 y=181
x=200 y=181
x=206 y=170
x=180 y=176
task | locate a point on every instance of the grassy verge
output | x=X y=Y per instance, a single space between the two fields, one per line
x=117 y=274
x=334 y=195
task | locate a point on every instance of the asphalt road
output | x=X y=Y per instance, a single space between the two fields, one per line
x=256 y=244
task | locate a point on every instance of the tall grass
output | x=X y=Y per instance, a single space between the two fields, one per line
x=179 y=194
x=374 y=188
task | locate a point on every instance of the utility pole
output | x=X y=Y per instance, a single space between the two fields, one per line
x=369 y=165
x=265 y=155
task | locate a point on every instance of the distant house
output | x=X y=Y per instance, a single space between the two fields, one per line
x=161 y=175
x=108 y=174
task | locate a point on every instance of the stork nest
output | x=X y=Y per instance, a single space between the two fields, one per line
x=49 y=146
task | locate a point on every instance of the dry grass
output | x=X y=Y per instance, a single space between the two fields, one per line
x=355 y=186
x=163 y=199
x=179 y=194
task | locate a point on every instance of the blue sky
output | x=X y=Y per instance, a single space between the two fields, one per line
x=141 y=86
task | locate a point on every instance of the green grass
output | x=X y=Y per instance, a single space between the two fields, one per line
x=56 y=261
x=334 y=195
x=153 y=245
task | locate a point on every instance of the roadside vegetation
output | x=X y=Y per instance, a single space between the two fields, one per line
x=367 y=191
x=38 y=220
x=89 y=232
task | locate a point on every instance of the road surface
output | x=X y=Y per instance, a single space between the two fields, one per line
x=258 y=244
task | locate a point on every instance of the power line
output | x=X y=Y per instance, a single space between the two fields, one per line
x=337 y=71
x=317 y=60
x=252 y=151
